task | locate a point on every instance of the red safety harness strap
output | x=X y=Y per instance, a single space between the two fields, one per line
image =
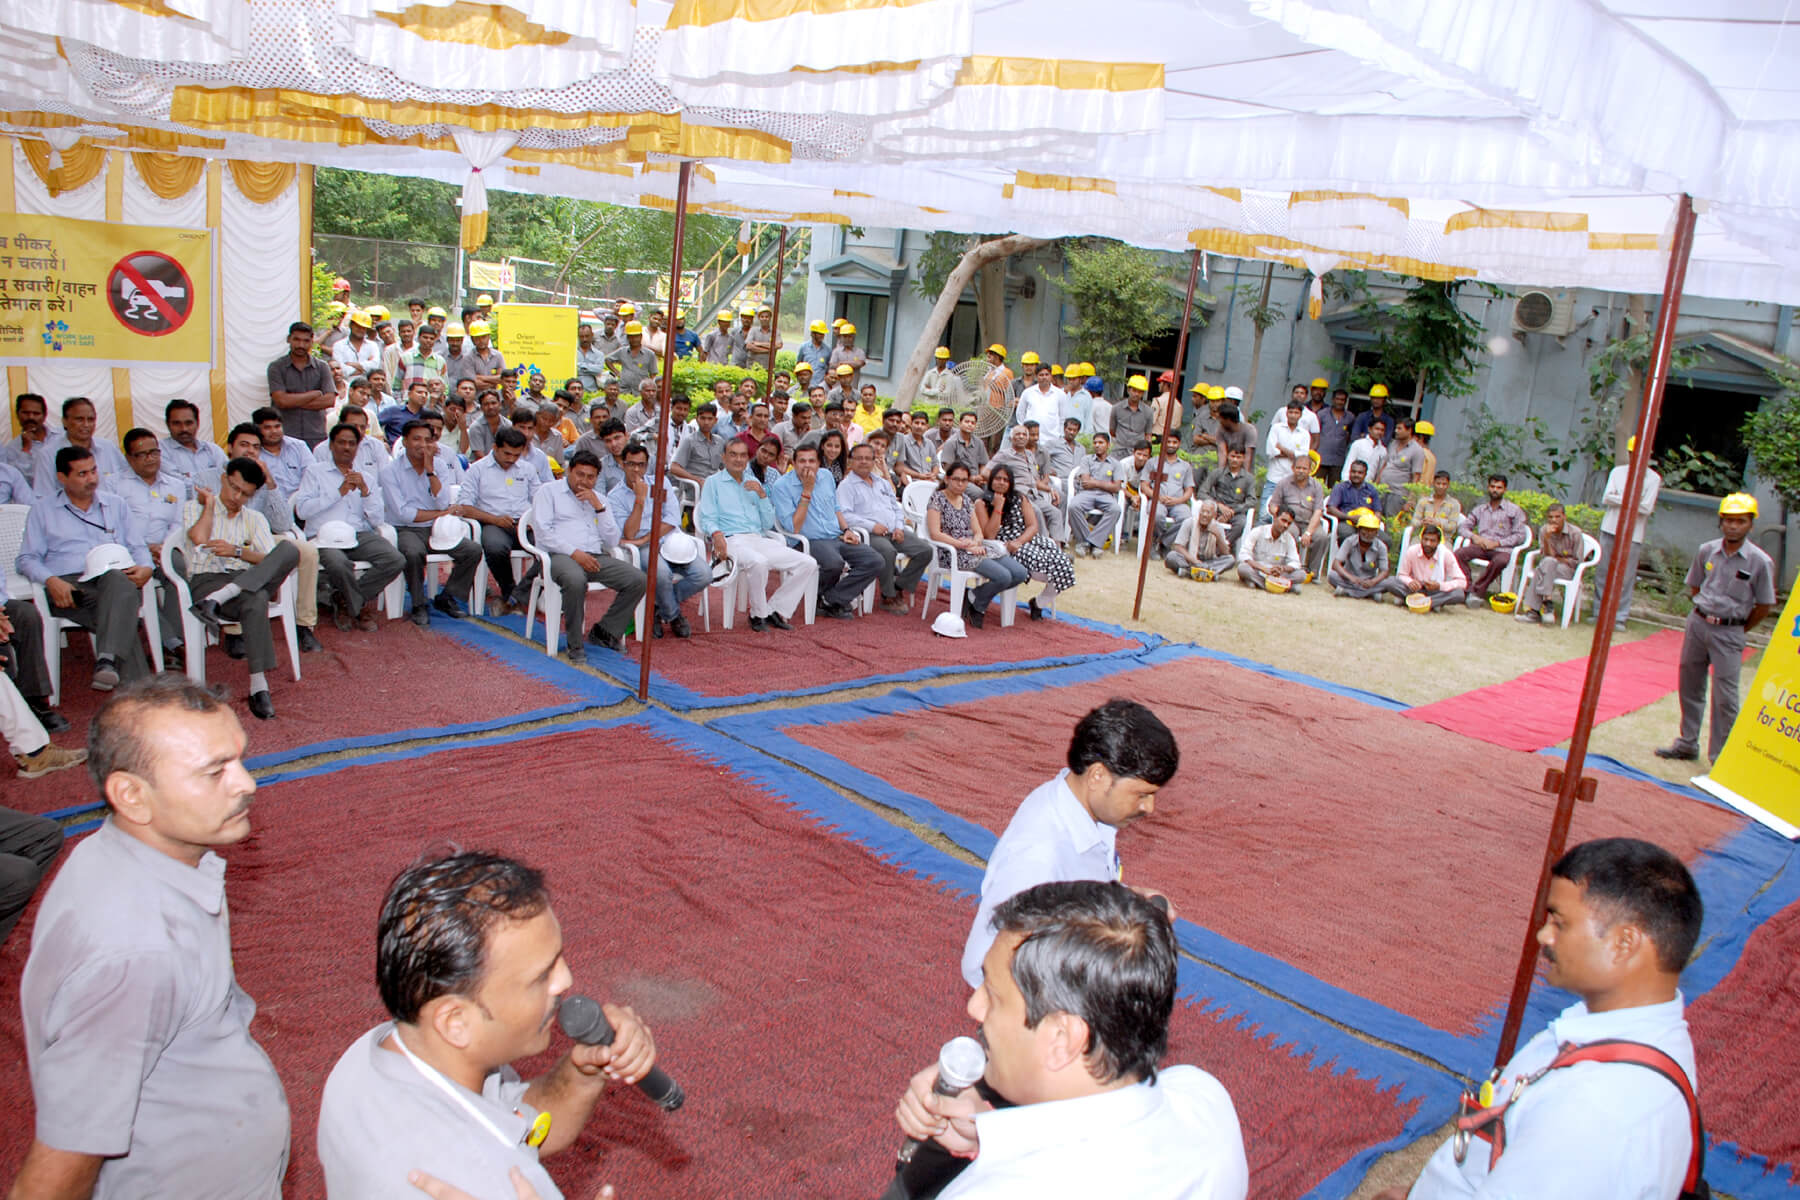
x=1617 y=1050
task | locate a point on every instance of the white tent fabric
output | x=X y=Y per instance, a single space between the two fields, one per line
x=1521 y=141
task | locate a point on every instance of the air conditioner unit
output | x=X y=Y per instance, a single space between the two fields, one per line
x=1551 y=313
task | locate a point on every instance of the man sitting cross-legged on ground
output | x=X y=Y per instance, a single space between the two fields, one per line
x=868 y=503
x=575 y=526
x=338 y=491
x=1428 y=569
x=415 y=496
x=495 y=493
x=633 y=505
x=805 y=501
x=1096 y=505
x=235 y=568
x=1074 y=1002
x=734 y=514
x=1496 y=530
x=1560 y=550
x=1203 y=547
x=1270 y=553
x=1360 y=567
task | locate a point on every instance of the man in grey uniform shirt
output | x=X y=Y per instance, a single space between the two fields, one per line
x=144 y=1074
x=469 y=963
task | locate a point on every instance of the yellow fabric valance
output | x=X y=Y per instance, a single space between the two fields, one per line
x=261 y=182
x=169 y=175
x=81 y=164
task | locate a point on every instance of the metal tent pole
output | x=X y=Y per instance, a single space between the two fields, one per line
x=1173 y=407
x=775 y=308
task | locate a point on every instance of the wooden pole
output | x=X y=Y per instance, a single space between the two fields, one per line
x=775 y=310
x=1169 y=412
x=1567 y=782
x=658 y=486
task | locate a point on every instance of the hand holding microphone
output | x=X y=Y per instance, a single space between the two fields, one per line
x=960 y=1065
x=585 y=1021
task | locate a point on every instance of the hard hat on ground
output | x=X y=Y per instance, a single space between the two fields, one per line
x=949 y=625
x=1418 y=602
x=1503 y=602
x=1276 y=585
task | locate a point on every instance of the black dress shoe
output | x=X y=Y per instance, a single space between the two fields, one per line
x=1031 y=606
x=600 y=637
x=234 y=645
x=450 y=606
x=342 y=617
x=836 y=612
x=656 y=627
x=680 y=628
x=49 y=718
x=262 y=706
x=207 y=612
x=1677 y=753
x=309 y=644
x=972 y=615
x=777 y=621
x=421 y=616
x=759 y=625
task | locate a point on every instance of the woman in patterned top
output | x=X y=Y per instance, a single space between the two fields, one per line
x=1007 y=517
x=950 y=521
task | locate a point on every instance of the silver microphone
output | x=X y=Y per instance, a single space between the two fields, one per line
x=961 y=1063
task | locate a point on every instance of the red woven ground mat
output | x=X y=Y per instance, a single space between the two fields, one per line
x=1386 y=857
x=793 y=981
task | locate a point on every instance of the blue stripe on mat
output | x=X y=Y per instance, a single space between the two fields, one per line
x=665 y=691
x=597 y=692
x=1734 y=1172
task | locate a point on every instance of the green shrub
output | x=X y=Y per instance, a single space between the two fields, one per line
x=1584 y=516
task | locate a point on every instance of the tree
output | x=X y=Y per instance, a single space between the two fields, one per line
x=1426 y=337
x=1772 y=434
x=1263 y=316
x=984 y=254
x=1121 y=298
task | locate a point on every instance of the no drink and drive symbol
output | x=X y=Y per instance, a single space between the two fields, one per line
x=150 y=293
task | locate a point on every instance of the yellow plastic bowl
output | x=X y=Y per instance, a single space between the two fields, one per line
x=1503 y=602
x=1419 y=602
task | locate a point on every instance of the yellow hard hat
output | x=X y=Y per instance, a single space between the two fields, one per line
x=632 y=327
x=1738 y=504
x=435 y=311
x=359 y=317
x=337 y=308
x=1631 y=444
x=1138 y=382
x=1201 y=390
x=1359 y=512
x=846 y=369
x=724 y=317
x=836 y=322
x=480 y=329
x=1314 y=456
x=453 y=329
x=845 y=328
x=628 y=309
x=1278 y=586
x=1056 y=368
x=746 y=310
x=803 y=367
x=1368 y=520
x=482 y=299
x=379 y=312
x=1426 y=428
x=1418 y=602
x=1379 y=389
x=1503 y=602
x=815 y=327
x=1030 y=356
x=997 y=348
x=1215 y=393
x=1325 y=383
x=942 y=352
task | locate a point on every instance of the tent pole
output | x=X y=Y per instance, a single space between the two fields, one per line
x=775 y=308
x=1568 y=782
x=1174 y=407
x=657 y=486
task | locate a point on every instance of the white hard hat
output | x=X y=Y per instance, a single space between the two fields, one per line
x=723 y=569
x=680 y=549
x=336 y=535
x=448 y=532
x=949 y=625
x=1234 y=393
x=107 y=556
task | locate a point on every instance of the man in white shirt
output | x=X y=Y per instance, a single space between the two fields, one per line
x=1041 y=402
x=942 y=386
x=1622 y=920
x=1270 y=552
x=156 y=499
x=633 y=501
x=359 y=353
x=341 y=489
x=371 y=454
x=1370 y=449
x=1074 y=1003
x=1614 y=500
x=1288 y=440
x=574 y=524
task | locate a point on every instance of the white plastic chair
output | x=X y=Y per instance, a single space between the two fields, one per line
x=12 y=534
x=434 y=560
x=545 y=593
x=1571 y=587
x=943 y=568
x=478 y=591
x=393 y=598
x=197 y=636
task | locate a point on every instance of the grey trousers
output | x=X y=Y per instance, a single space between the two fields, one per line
x=168 y=609
x=108 y=607
x=22 y=654
x=1396 y=587
x=1359 y=588
x=339 y=569
x=1092 y=516
x=1540 y=589
x=1050 y=516
x=1718 y=649
x=1607 y=542
x=28 y=845
x=259 y=585
x=415 y=544
x=844 y=569
x=894 y=579
x=626 y=582
x=497 y=545
x=1251 y=577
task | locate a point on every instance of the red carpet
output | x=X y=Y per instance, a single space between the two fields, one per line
x=1390 y=859
x=1750 y=1027
x=792 y=1048
x=359 y=685
x=1537 y=709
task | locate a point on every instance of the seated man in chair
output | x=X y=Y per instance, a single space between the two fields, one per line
x=633 y=505
x=337 y=490
x=416 y=496
x=805 y=501
x=572 y=522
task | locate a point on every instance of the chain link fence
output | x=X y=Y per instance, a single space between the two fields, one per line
x=383 y=271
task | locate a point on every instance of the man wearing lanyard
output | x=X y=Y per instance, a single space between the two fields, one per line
x=469 y=964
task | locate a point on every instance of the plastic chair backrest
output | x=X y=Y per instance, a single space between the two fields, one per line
x=524 y=531
x=914 y=500
x=12 y=535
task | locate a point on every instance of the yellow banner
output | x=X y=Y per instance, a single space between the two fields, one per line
x=538 y=337
x=101 y=292
x=1758 y=772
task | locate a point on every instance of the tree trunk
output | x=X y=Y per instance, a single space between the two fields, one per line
x=1262 y=307
x=973 y=260
x=1636 y=317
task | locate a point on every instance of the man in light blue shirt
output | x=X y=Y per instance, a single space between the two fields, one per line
x=17 y=452
x=632 y=502
x=184 y=454
x=340 y=490
x=805 y=501
x=14 y=487
x=573 y=524
x=79 y=420
x=156 y=499
x=371 y=454
x=414 y=497
x=284 y=458
x=496 y=492
x=60 y=530
x=868 y=503
x=1623 y=918
x=733 y=516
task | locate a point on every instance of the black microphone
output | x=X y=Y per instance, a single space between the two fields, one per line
x=583 y=1019
x=961 y=1063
